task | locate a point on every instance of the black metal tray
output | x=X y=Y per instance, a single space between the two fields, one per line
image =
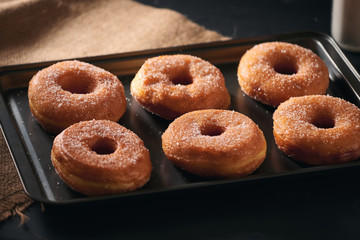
x=30 y=146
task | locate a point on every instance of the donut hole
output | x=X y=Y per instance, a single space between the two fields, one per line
x=286 y=67
x=323 y=121
x=212 y=130
x=104 y=146
x=182 y=78
x=77 y=84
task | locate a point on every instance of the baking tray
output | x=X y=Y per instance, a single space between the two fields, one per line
x=30 y=146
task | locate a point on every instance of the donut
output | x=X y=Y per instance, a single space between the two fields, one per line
x=215 y=143
x=318 y=129
x=101 y=157
x=272 y=72
x=172 y=85
x=72 y=91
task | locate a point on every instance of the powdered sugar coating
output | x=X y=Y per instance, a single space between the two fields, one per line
x=172 y=85
x=236 y=148
x=259 y=77
x=128 y=164
x=56 y=107
x=297 y=134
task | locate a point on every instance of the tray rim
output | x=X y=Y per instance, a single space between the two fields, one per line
x=320 y=36
x=16 y=148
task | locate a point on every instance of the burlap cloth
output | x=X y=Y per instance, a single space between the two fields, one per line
x=41 y=30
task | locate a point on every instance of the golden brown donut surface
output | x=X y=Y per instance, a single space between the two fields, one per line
x=215 y=143
x=172 y=85
x=101 y=157
x=72 y=91
x=272 y=72
x=318 y=129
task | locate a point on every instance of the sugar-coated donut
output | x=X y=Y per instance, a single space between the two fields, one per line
x=72 y=91
x=101 y=157
x=318 y=129
x=172 y=85
x=272 y=72
x=215 y=143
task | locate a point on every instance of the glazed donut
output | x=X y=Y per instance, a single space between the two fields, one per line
x=73 y=91
x=172 y=85
x=101 y=157
x=318 y=129
x=215 y=143
x=273 y=72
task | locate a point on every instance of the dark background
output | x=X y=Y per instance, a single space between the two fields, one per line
x=312 y=206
